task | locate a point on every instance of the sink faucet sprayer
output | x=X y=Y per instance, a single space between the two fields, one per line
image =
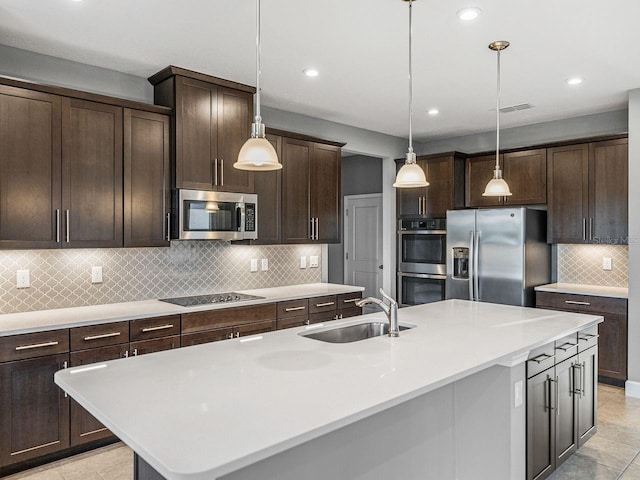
x=390 y=310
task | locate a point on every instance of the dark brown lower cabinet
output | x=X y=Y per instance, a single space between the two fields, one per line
x=84 y=426
x=34 y=418
x=155 y=345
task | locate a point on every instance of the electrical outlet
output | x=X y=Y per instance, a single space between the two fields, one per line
x=313 y=261
x=606 y=263
x=303 y=262
x=96 y=275
x=265 y=264
x=23 y=279
x=518 y=397
x=254 y=264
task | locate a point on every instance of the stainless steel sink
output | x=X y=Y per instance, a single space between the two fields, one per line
x=353 y=333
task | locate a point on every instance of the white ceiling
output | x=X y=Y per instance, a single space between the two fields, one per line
x=360 y=49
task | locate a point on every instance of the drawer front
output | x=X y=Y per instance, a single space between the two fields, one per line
x=322 y=317
x=32 y=345
x=255 y=328
x=581 y=303
x=566 y=347
x=350 y=312
x=227 y=317
x=158 y=327
x=323 y=304
x=206 y=337
x=587 y=338
x=348 y=300
x=102 y=354
x=155 y=345
x=291 y=322
x=293 y=308
x=93 y=336
x=541 y=359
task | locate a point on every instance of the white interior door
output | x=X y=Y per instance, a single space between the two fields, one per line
x=363 y=242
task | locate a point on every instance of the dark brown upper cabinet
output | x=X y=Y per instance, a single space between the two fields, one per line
x=212 y=121
x=296 y=166
x=445 y=174
x=147 y=179
x=325 y=193
x=268 y=186
x=524 y=171
x=588 y=193
x=91 y=174
x=30 y=169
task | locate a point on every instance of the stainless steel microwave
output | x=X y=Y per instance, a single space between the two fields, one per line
x=203 y=215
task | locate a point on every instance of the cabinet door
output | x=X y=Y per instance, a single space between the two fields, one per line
x=587 y=379
x=608 y=191
x=409 y=200
x=479 y=173
x=439 y=193
x=196 y=133
x=91 y=174
x=268 y=186
x=296 y=170
x=540 y=427
x=84 y=426
x=144 y=347
x=234 y=128
x=326 y=193
x=255 y=328
x=147 y=179
x=526 y=174
x=568 y=193
x=612 y=357
x=29 y=169
x=565 y=411
x=206 y=337
x=34 y=418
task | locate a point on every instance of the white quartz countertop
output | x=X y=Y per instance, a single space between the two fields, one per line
x=28 y=322
x=595 y=290
x=201 y=412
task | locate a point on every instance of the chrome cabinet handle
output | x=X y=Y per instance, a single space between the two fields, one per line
x=591 y=228
x=126 y=354
x=222 y=171
x=574 y=302
x=36 y=345
x=237 y=334
x=542 y=358
x=99 y=337
x=547 y=394
x=419 y=205
x=317 y=228
x=294 y=309
x=576 y=390
x=169 y=227
x=214 y=164
x=326 y=304
x=160 y=327
x=351 y=300
x=65 y=365
x=587 y=337
x=564 y=346
x=66 y=212
x=557 y=396
x=311 y=229
x=57 y=225
x=583 y=380
x=584 y=229
x=135 y=352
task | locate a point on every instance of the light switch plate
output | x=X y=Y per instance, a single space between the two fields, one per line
x=265 y=264
x=96 y=275
x=313 y=261
x=254 y=264
x=23 y=279
x=303 y=262
x=606 y=263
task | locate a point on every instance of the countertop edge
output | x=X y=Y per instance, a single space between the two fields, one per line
x=579 y=289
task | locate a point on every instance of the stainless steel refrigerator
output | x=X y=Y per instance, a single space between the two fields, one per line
x=497 y=255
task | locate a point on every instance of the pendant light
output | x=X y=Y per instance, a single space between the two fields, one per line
x=257 y=153
x=410 y=175
x=497 y=187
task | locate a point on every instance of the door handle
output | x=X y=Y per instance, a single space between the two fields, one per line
x=476 y=266
x=168 y=227
x=222 y=171
x=214 y=166
x=471 y=256
x=66 y=212
x=419 y=205
x=584 y=229
x=591 y=228
x=317 y=228
x=57 y=225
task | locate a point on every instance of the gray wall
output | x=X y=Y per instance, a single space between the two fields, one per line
x=538 y=133
x=360 y=175
x=633 y=386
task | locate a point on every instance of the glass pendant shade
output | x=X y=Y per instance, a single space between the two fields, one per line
x=411 y=176
x=497 y=187
x=257 y=154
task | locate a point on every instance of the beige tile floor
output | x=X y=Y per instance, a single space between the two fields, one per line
x=612 y=454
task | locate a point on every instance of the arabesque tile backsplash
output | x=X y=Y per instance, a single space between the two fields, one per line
x=583 y=264
x=62 y=278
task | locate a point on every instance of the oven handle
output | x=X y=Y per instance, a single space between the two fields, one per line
x=422 y=275
x=422 y=232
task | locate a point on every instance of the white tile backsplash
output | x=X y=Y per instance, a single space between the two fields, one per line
x=582 y=264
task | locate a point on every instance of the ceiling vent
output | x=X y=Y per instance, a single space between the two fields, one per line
x=515 y=108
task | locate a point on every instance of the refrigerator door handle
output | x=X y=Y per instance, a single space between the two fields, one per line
x=476 y=274
x=471 y=257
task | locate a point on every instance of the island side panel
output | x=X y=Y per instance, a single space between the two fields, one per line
x=143 y=471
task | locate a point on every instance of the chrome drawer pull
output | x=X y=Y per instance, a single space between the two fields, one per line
x=161 y=327
x=36 y=345
x=293 y=309
x=573 y=302
x=587 y=337
x=564 y=346
x=326 y=304
x=351 y=300
x=99 y=337
x=542 y=358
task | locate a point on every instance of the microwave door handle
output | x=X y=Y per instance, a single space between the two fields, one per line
x=470 y=266
x=240 y=216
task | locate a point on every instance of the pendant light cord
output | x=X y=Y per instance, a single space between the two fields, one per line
x=258 y=117
x=498 y=116
x=410 y=78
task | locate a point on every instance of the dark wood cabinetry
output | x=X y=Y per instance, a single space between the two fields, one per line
x=325 y=201
x=479 y=173
x=268 y=187
x=445 y=174
x=587 y=186
x=296 y=166
x=147 y=179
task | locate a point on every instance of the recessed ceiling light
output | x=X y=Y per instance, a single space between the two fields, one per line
x=433 y=111
x=469 y=13
x=574 y=81
x=310 y=72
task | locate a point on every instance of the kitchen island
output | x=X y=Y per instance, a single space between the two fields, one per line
x=444 y=400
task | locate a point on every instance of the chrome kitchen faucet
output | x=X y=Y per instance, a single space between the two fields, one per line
x=391 y=311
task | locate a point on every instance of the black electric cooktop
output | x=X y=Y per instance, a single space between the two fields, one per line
x=228 y=297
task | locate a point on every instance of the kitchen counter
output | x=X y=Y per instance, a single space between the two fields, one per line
x=28 y=322
x=595 y=290
x=207 y=411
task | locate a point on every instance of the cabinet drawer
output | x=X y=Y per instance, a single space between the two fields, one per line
x=566 y=347
x=581 y=303
x=540 y=359
x=227 y=317
x=102 y=335
x=348 y=300
x=32 y=345
x=102 y=354
x=158 y=327
x=255 y=328
x=322 y=317
x=293 y=308
x=587 y=338
x=323 y=304
x=291 y=322
x=206 y=337
x=155 y=345
x=350 y=312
